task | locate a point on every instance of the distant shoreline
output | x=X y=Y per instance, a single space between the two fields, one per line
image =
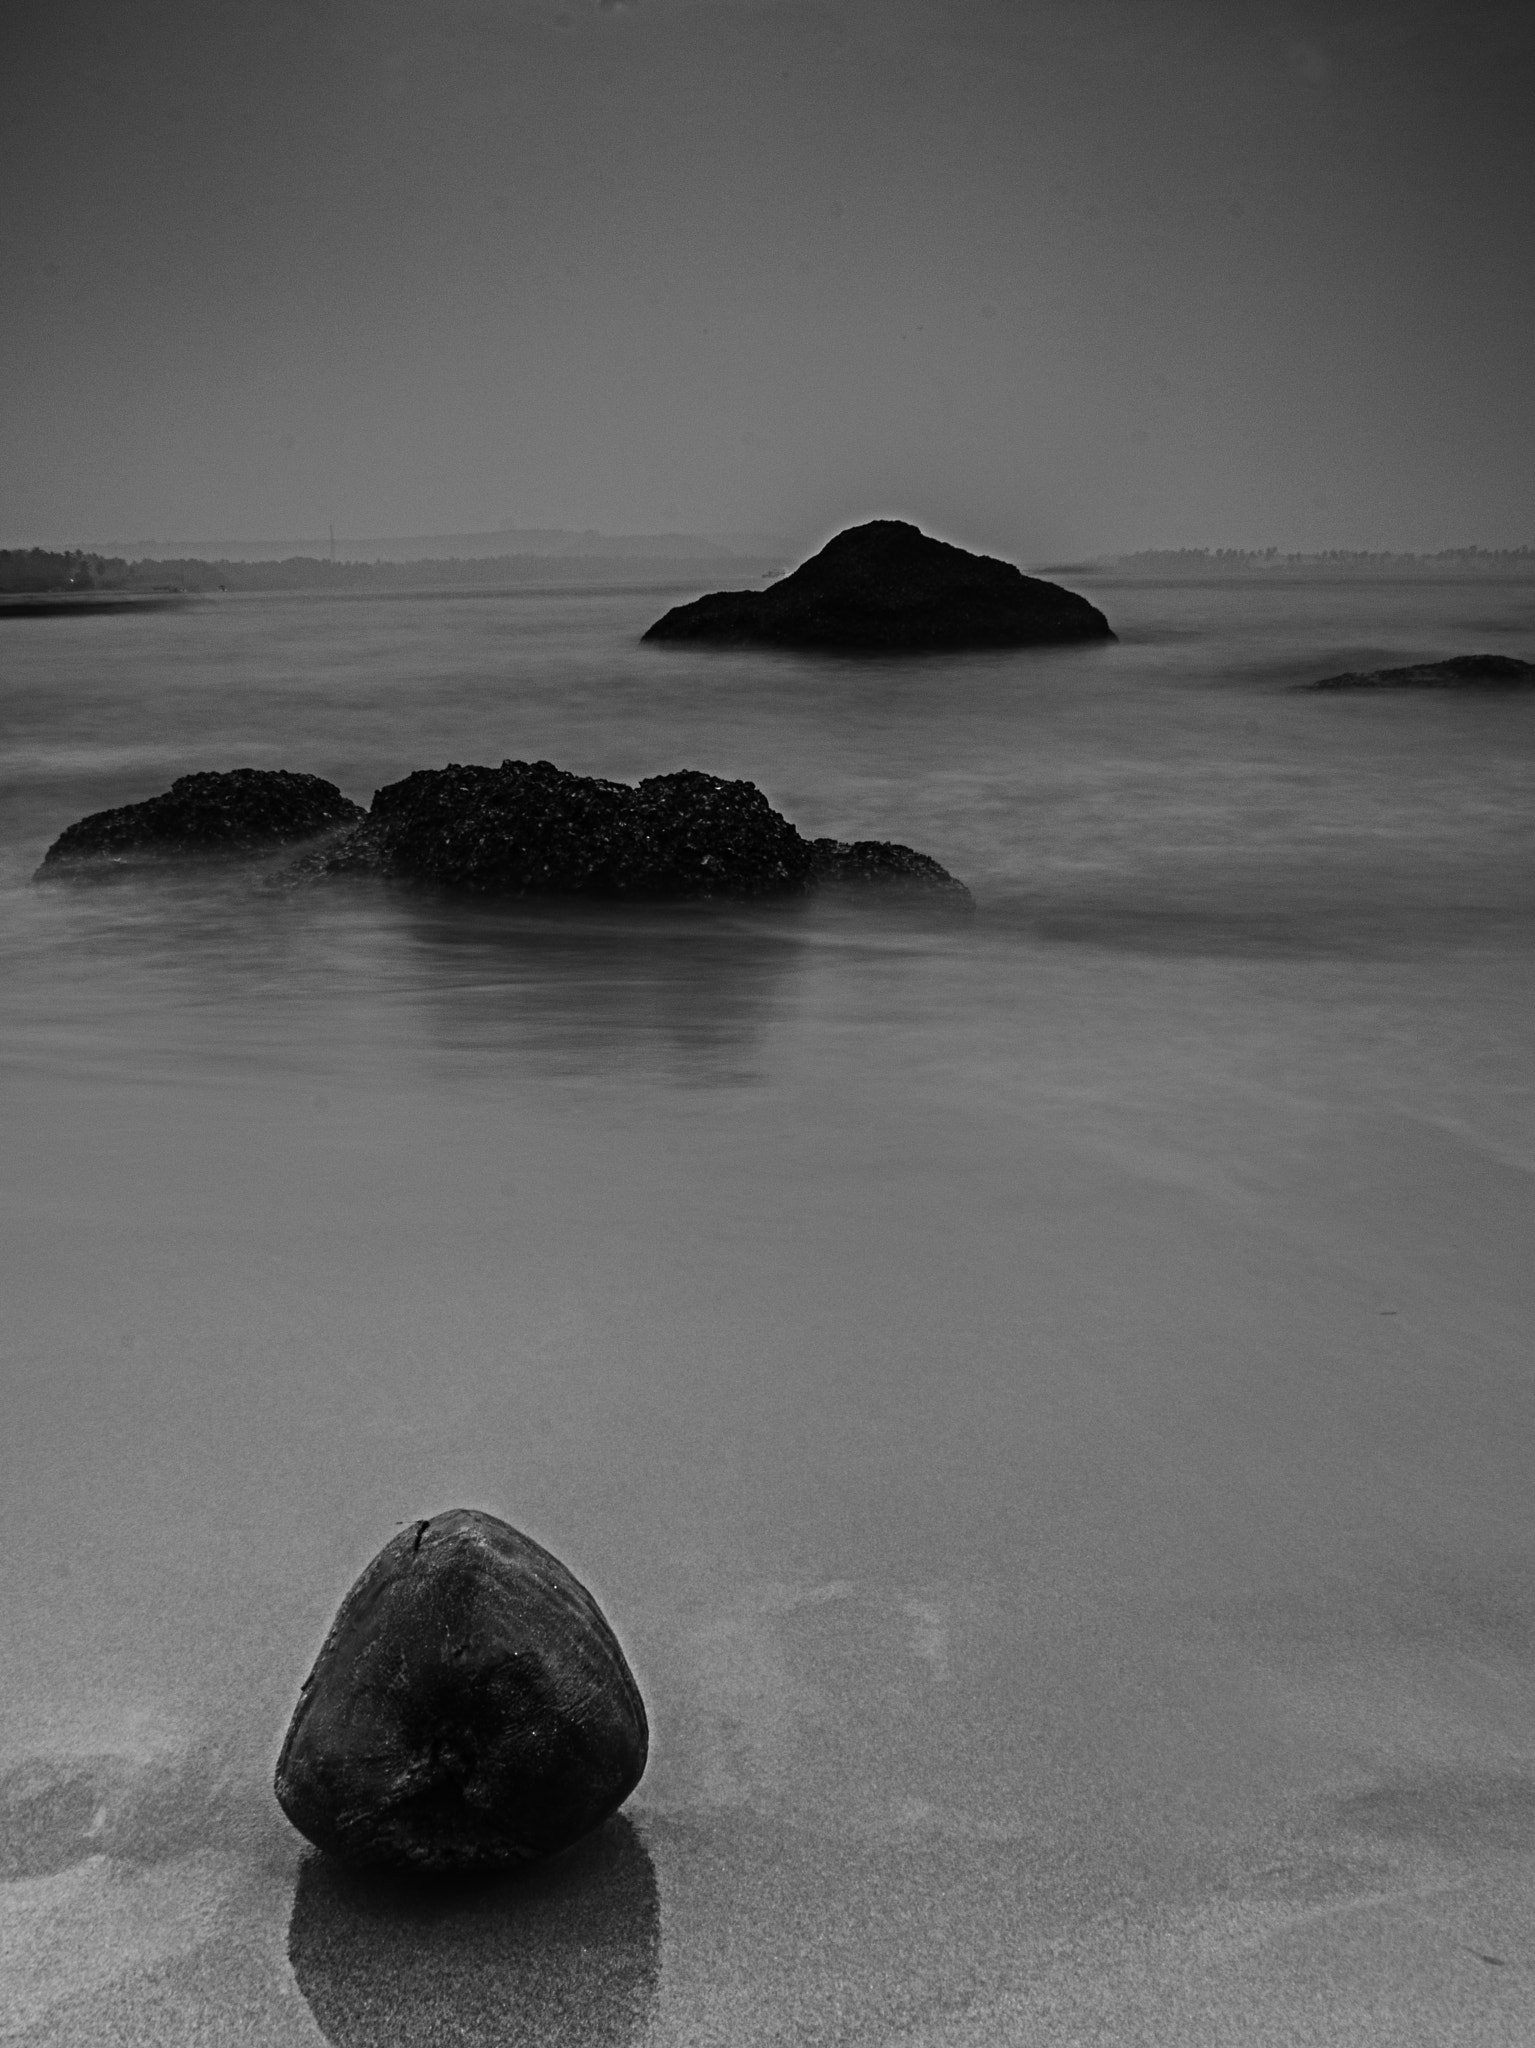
x=37 y=582
x=1268 y=563
x=34 y=580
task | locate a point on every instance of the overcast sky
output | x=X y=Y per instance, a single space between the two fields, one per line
x=1045 y=275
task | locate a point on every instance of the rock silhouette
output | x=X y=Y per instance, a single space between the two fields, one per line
x=887 y=587
x=237 y=811
x=470 y=1709
x=1460 y=672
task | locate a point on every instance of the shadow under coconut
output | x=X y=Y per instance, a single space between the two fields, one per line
x=568 y=1951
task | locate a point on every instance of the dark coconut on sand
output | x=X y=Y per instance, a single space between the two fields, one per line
x=470 y=1710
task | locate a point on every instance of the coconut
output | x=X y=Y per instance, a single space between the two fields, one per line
x=470 y=1709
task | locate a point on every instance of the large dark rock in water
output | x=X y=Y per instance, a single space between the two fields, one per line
x=888 y=588
x=470 y=1708
x=243 y=810
x=1461 y=672
x=528 y=828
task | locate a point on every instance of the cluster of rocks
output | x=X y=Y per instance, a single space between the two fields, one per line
x=526 y=828
x=888 y=588
x=529 y=828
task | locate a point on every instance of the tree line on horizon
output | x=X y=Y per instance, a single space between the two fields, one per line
x=1342 y=558
x=48 y=571
x=33 y=571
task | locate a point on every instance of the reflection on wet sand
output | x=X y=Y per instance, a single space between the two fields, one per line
x=688 y=993
x=579 y=988
x=568 y=1952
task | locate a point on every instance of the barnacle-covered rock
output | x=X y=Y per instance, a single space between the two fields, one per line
x=528 y=828
x=860 y=864
x=1459 y=672
x=470 y=1709
x=237 y=810
x=523 y=829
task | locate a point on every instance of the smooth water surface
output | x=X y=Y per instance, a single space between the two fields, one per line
x=1046 y=1401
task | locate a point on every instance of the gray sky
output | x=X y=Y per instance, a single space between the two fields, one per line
x=1045 y=275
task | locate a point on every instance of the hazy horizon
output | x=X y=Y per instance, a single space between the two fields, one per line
x=1050 y=279
x=566 y=544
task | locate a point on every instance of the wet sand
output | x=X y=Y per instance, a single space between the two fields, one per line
x=1079 y=1565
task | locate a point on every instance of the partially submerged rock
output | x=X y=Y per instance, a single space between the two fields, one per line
x=470 y=1709
x=528 y=828
x=1461 y=672
x=239 y=811
x=862 y=863
x=887 y=587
